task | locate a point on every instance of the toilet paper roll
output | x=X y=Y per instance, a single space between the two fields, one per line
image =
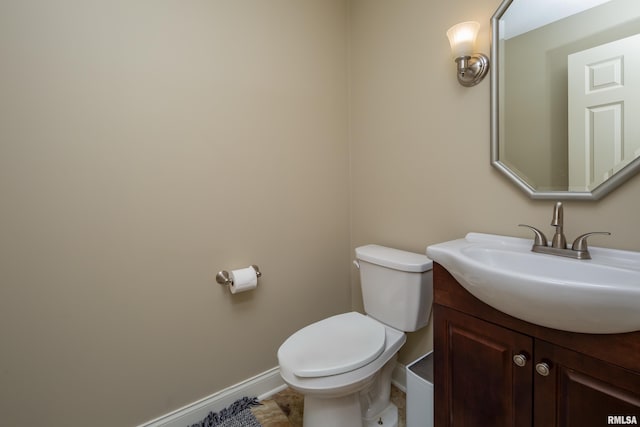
x=244 y=279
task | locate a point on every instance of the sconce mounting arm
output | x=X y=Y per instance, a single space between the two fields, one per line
x=472 y=69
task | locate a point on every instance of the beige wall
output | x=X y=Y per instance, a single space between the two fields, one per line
x=145 y=145
x=420 y=144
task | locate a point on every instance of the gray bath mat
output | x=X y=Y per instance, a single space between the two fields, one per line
x=238 y=414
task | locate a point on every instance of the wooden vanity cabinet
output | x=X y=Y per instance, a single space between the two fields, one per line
x=489 y=369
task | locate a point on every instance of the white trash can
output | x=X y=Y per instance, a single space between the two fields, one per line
x=420 y=392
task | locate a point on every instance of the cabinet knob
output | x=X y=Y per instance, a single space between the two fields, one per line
x=520 y=359
x=543 y=369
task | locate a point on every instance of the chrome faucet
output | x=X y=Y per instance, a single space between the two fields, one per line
x=578 y=250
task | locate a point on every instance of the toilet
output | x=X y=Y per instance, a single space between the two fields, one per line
x=343 y=364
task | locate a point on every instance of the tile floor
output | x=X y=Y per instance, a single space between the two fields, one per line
x=285 y=409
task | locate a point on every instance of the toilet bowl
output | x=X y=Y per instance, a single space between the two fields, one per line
x=343 y=364
x=358 y=348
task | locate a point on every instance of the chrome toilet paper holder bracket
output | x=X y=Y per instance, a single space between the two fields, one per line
x=224 y=278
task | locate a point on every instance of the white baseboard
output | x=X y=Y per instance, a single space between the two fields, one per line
x=262 y=385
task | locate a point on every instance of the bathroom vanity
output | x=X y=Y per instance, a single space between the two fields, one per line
x=492 y=369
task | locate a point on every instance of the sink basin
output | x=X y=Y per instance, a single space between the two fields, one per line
x=597 y=296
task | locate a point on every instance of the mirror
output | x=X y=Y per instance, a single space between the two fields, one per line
x=565 y=95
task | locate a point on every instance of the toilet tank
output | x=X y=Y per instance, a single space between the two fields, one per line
x=397 y=286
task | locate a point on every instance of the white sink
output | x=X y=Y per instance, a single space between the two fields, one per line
x=598 y=296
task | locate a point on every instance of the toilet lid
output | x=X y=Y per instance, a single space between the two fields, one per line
x=333 y=346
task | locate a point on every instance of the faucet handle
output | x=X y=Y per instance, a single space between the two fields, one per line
x=540 y=239
x=580 y=244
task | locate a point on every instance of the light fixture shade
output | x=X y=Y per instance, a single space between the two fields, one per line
x=462 y=38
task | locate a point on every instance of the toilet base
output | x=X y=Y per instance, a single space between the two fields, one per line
x=339 y=411
x=368 y=407
x=345 y=411
x=387 y=418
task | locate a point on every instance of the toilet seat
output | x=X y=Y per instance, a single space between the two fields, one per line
x=333 y=346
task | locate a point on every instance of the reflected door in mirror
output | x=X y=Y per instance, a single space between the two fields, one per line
x=604 y=137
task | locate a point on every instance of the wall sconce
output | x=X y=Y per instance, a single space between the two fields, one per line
x=472 y=67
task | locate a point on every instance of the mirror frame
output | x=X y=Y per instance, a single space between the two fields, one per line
x=603 y=189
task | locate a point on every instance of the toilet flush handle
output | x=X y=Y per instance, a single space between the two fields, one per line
x=356 y=263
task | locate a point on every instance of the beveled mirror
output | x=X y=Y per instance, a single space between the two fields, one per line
x=565 y=95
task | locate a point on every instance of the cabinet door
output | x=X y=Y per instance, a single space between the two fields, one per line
x=477 y=382
x=581 y=391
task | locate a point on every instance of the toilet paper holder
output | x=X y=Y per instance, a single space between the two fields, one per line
x=225 y=279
